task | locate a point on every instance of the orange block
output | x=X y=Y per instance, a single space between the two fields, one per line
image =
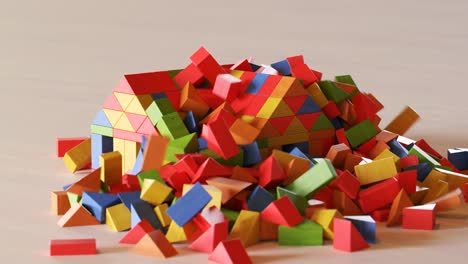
x=89 y=183
x=77 y=215
x=242 y=174
x=154 y=244
x=337 y=155
x=403 y=121
x=345 y=205
x=191 y=101
x=153 y=157
x=401 y=201
x=60 y=202
x=243 y=133
x=228 y=187
x=449 y=201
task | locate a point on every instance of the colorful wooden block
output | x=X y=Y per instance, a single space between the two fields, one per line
x=347 y=237
x=154 y=152
x=306 y=233
x=375 y=171
x=208 y=241
x=421 y=217
x=118 y=217
x=271 y=173
x=230 y=251
x=347 y=183
x=360 y=133
x=79 y=156
x=65 y=144
x=379 y=195
x=282 y=212
x=219 y=139
x=160 y=211
x=96 y=203
x=67 y=247
x=77 y=215
x=154 y=191
x=337 y=154
x=154 y=244
x=111 y=167
x=206 y=64
x=299 y=202
x=324 y=217
x=142 y=210
x=246 y=228
x=403 y=121
x=215 y=193
x=227 y=87
x=366 y=226
x=137 y=232
x=259 y=199
x=59 y=202
x=401 y=201
x=458 y=157
x=228 y=187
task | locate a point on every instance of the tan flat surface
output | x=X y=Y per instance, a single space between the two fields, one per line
x=59 y=60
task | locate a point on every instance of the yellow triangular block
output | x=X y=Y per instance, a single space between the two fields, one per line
x=154 y=191
x=237 y=74
x=216 y=194
x=160 y=212
x=118 y=217
x=246 y=228
x=176 y=233
x=324 y=217
x=124 y=99
x=124 y=124
x=138 y=105
x=113 y=116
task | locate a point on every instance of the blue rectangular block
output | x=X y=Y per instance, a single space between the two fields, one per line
x=187 y=206
x=256 y=83
x=99 y=144
x=459 y=158
x=282 y=66
x=397 y=149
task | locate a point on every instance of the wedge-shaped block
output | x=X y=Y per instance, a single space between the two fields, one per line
x=228 y=187
x=246 y=228
x=118 y=217
x=300 y=202
x=208 y=241
x=347 y=237
x=315 y=178
x=230 y=251
x=306 y=233
x=365 y=225
x=77 y=215
x=271 y=173
x=282 y=212
x=96 y=203
x=401 y=201
x=59 y=202
x=379 y=195
x=324 y=217
x=137 y=232
x=154 y=244
x=160 y=211
x=259 y=199
x=421 y=217
x=172 y=126
x=375 y=171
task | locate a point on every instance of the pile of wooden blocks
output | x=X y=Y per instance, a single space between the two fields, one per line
x=223 y=157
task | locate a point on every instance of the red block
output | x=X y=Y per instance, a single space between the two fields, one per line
x=303 y=72
x=381 y=215
x=465 y=193
x=64 y=247
x=407 y=180
x=347 y=237
x=230 y=252
x=227 y=87
x=445 y=162
x=379 y=195
x=295 y=60
x=242 y=65
x=271 y=174
x=427 y=148
x=368 y=146
x=409 y=161
x=210 y=168
x=190 y=74
x=421 y=217
x=220 y=140
x=365 y=107
x=188 y=165
x=131 y=181
x=347 y=183
x=207 y=64
x=282 y=212
x=208 y=241
x=325 y=195
x=341 y=137
x=331 y=110
x=65 y=144
x=137 y=232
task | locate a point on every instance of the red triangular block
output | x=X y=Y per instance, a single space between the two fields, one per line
x=77 y=215
x=208 y=241
x=154 y=244
x=230 y=252
x=137 y=232
x=347 y=237
x=210 y=168
x=271 y=174
x=282 y=212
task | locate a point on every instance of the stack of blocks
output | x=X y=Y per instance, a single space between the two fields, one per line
x=225 y=156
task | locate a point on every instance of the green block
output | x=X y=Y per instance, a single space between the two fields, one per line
x=231 y=215
x=182 y=145
x=423 y=156
x=237 y=160
x=345 y=79
x=172 y=126
x=315 y=178
x=158 y=109
x=322 y=123
x=262 y=143
x=360 y=133
x=300 y=202
x=333 y=92
x=104 y=187
x=306 y=233
x=73 y=198
x=150 y=174
x=101 y=130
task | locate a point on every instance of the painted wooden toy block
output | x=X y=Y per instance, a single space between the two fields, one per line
x=66 y=247
x=137 y=232
x=282 y=212
x=118 y=217
x=65 y=144
x=271 y=173
x=347 y=237
x=306 y=233
x=111 y=167
x=97 y=203
x=324 y=217
x=79 y=156
x=142 y=210
x=299 y=202
x=315 y=178
x=366 y=226
x=421 y=217
x=375 y=171
x=59 y=202
x=230 y=252
x=154 y=244
x=154 y=191
x=228 y=187
x=77 y=215
x=379 y=195
x=160 y=211
x=259 y=199
x=208 y=241
x=401 y=201
x=246 y=228
x=206 y=64
x=403 y=121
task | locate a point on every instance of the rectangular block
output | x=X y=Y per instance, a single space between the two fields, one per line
x=360 y=133
x=403 y=121
x=111 y=167
x=187 y=206
x=375 y=171
x=315 y=178
x=64 y=247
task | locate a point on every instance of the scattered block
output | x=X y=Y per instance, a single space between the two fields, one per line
x=118 y=217
x=420 y=217
x=246 y=228
x=347 y=237
x=282 y=212
x=143 y=210
x=66 y=247
x=259 y=199
x=230 y=251
x=375 y=171
x=137 y=232
x=228 y=187
x=60 y=203
x=111 y=167
x=324 y=217
x=154 y=192
x=401 y=201
x=160 y=211
x=79 y=156
x=365 y=225
x=306 y=233
x=403 y=121
x=77 y=215
x=96 y=203
x=65 y=144
x=208 y=241
x=154 y=244
x=379 y=195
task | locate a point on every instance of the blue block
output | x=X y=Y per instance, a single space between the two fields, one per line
x=251 y=154
x=309 y=106
x=143 y=210
x=139 y=160
x=423 y=170
x=336 y=122
x=459 y=158
x=99 y=144
x=256 y=83
x=302 y=146
x=259 y=199
x=191 y=123
x=299 y=153
x=187 y=206
x=397 y=149
x=365 y=225
x=101 y=120
x=128 y=198
x=282 y=67
x=157 y=96
x=96 y=203
x=202 y=144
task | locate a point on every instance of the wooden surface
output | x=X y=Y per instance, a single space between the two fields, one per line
x=59 y=60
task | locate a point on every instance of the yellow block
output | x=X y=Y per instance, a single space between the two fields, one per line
x=237 y=74
x=433 y=177
x=375 y=171
x=176 y=233
x=118 y=217
x=388 y=154
x=124 y=99
x=216 y=194
x=124 y=124
x=403 y=121
x=243 y=133
x=119 y=145
x=317 y=95
x=269 y=107
x=246 y=228
x=79 y=156
x=154 y=191
x=160 y=212
x=139 y=105
x=113 y=116
x=130 y=155
x=111 y=167
x=454 y=179
x=288 y=139
x=437 y=190
x=324 y=217
x=419 y=195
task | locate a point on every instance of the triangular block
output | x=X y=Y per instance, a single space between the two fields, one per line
x=208 y=241
x=230 y=252
x=229 y=187
x=135 y=120
x=308 y=120
x=124 y=99
x=282 y=109
x=296 y=89
x=124 y=124
x=365 y=225
x=295 y=102
x=309 y=106
x=77 y=215
x=139 y=104
x=113 y=116
x=89 y=183
x=347 y=237
x=147 y=128
x=295 y=127
x=154 y=244
x=401 y=201
x=281 y=123
x=101 y=120
x=112 y=103
x=282 y=212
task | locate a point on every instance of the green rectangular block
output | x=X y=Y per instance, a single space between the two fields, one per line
x=306 y=233
x=315 y=178
x=172 y=126
x=101 y=130
x=423 y=157
x=360 y=133
x=158 y=109
x=333 y=92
